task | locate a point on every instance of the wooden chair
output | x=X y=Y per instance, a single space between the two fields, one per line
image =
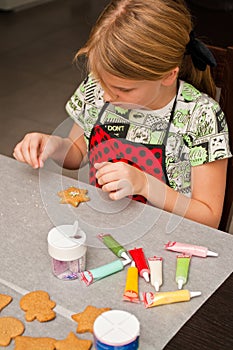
x=223 y=76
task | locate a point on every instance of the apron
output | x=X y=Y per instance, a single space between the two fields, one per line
x=108 y=144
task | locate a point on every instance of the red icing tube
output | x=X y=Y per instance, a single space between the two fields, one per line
x=141 y=263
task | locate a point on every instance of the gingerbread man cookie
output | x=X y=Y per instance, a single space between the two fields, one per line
x=10 y=327
x=37 y=305
x=73 y=196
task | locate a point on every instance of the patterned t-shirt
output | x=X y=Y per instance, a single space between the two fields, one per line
x=198 y=132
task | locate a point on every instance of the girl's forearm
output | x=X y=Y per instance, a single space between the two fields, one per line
x=166 y=198
x=68 y=154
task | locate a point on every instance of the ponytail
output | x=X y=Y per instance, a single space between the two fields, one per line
x=201 y=80
x=195 y=67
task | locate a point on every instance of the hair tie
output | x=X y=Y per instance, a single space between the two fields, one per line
x=200 y=54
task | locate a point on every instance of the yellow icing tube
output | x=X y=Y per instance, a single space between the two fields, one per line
x=131 y=285
x=155 y=299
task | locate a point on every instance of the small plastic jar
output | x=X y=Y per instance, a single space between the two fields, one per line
x=116 y=330
x=67 y=248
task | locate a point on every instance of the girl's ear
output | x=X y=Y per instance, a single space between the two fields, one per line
x=170 y=77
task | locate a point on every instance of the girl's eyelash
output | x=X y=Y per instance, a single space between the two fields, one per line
x=125 y=90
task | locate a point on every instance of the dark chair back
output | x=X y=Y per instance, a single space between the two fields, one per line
x=223 y=77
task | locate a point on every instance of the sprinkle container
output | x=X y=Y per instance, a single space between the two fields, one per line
x=116 y=330
x=67 y=248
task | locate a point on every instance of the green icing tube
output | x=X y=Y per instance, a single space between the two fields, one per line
x=182 y=269
x=113 y=245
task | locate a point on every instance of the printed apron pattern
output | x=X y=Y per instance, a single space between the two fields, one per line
x=106 y=145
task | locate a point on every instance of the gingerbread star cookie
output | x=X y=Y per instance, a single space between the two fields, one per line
x=72 y=342
x=4 y=300
x=29 y=343
x=37 y=305
x=10 y=327
x=87 y=318
x=73 y=196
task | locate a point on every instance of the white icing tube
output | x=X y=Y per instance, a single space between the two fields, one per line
x=156 y=272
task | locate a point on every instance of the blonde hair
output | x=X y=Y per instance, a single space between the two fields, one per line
x=144 y=40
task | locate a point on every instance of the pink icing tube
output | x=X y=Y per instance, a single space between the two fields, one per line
x=190 y=249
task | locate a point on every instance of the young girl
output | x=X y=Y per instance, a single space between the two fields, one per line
x=145 y=116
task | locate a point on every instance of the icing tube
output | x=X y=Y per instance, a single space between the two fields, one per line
x=182 y=269
x=113 y=245
x=190 y=249
x=140 y=261
x=156 y=274
x=155 y=299
x=91 y=276
x=131 y=286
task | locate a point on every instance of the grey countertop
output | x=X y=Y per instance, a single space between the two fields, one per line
x=30 y=208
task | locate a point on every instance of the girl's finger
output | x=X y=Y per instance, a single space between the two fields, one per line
x=120 y=193
x=100 y=165
x=18 y=155
x=34 y=153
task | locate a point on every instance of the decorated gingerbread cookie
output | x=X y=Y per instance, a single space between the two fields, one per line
x=73 y=196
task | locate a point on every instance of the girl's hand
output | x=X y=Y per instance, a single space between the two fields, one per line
x=35 y=148
x=120 y=179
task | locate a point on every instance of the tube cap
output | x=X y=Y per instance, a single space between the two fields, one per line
x=194 y=294
x=156 y=285
x=146 y=276
x=126 y=261
x=125 y=256
x=210 y=253
x=180 y=283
